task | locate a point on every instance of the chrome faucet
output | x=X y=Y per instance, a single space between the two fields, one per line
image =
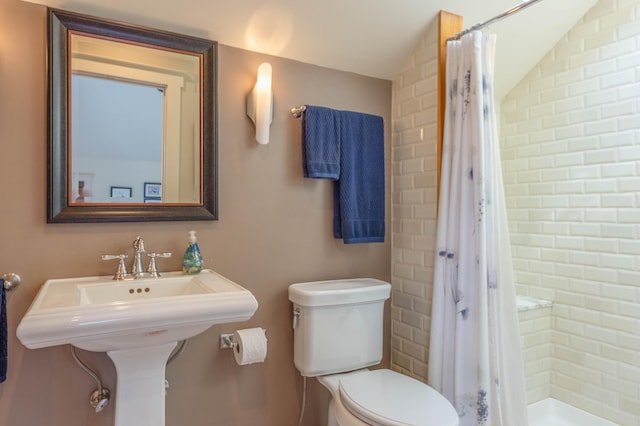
x=136 y=269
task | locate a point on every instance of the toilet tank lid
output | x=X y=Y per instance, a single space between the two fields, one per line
x=339 y=292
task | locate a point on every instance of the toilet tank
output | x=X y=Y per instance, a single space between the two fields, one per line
x=337 y=325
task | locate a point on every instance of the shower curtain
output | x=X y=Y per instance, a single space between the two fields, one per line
x=475 y=358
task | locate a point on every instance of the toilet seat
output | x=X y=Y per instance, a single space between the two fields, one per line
x=387 y=398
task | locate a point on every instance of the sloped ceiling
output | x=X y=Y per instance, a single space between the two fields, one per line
x=368 y=37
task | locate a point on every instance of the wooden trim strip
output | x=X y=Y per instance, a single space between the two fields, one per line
x=449 y=24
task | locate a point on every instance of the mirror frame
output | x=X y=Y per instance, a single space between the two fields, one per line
x=58 y=209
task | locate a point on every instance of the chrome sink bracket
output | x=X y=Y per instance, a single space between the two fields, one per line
x=121 y=272
x=99 y=399
x=152 y=270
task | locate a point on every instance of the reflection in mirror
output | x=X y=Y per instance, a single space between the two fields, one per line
x=117 y=127
x=139 y=141
x=118 y=90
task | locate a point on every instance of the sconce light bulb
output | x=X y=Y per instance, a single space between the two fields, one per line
x=263 y=103
x=264 y=76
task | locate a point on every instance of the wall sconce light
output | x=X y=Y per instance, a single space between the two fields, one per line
x=260 y=104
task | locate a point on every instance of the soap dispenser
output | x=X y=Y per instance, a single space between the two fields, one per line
x=192 y=260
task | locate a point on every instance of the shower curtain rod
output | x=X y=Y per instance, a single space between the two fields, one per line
x=497 y=18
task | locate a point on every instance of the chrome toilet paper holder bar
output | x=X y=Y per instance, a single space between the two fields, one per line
x=227 y=341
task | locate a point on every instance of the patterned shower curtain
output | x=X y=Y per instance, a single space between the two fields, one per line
x=475 y=359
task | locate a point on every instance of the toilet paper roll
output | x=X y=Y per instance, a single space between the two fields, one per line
x=250 y=346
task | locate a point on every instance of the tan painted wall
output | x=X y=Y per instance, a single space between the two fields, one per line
x=274 y=230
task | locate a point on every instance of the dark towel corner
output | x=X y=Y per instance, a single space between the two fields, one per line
x=3 y=332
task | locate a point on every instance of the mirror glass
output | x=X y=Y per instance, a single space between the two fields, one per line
x=132 y=123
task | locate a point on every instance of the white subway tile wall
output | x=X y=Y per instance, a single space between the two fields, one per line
x=535 y=328
x=571 y=154
x=414 y=163
x=571 y=157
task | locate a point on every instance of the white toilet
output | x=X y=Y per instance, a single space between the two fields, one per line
x=337 y=334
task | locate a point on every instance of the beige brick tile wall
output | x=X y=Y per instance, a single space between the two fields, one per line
x=571 y=150
x=414 y=163
x=571 y=154
x=535 y=330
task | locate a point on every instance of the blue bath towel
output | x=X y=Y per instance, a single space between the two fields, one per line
x=3 y=332
x=359 y=193
x=320 y=143
x=358 y=141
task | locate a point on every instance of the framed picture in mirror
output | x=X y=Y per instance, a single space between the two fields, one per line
x=121 y=192
x=153 y=191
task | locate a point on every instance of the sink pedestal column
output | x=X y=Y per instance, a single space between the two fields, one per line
x=140 y=391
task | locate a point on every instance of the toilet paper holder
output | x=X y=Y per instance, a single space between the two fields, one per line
x=227 y=341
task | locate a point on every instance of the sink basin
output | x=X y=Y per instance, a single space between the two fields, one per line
x=97 y=294
x=138 y=323
x=100 y=314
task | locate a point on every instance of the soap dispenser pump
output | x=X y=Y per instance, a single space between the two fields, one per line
x=192 y=260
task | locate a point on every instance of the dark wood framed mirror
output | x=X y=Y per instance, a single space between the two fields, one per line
x=132 y=128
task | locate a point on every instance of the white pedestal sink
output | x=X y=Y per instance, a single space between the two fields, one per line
x=138 y=323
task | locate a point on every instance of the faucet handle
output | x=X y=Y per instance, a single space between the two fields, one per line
x=152 y=270
x=121 y=272
x=138 y=244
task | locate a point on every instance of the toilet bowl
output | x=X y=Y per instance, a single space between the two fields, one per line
x=337 y=335
x=385 y=398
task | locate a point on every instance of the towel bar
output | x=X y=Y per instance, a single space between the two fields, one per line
x=11 y=281
x=297 y=112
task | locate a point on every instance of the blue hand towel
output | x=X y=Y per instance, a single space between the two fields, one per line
x=359 y=192
x=3 y=332
x=348 y=147
x=320 y=143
